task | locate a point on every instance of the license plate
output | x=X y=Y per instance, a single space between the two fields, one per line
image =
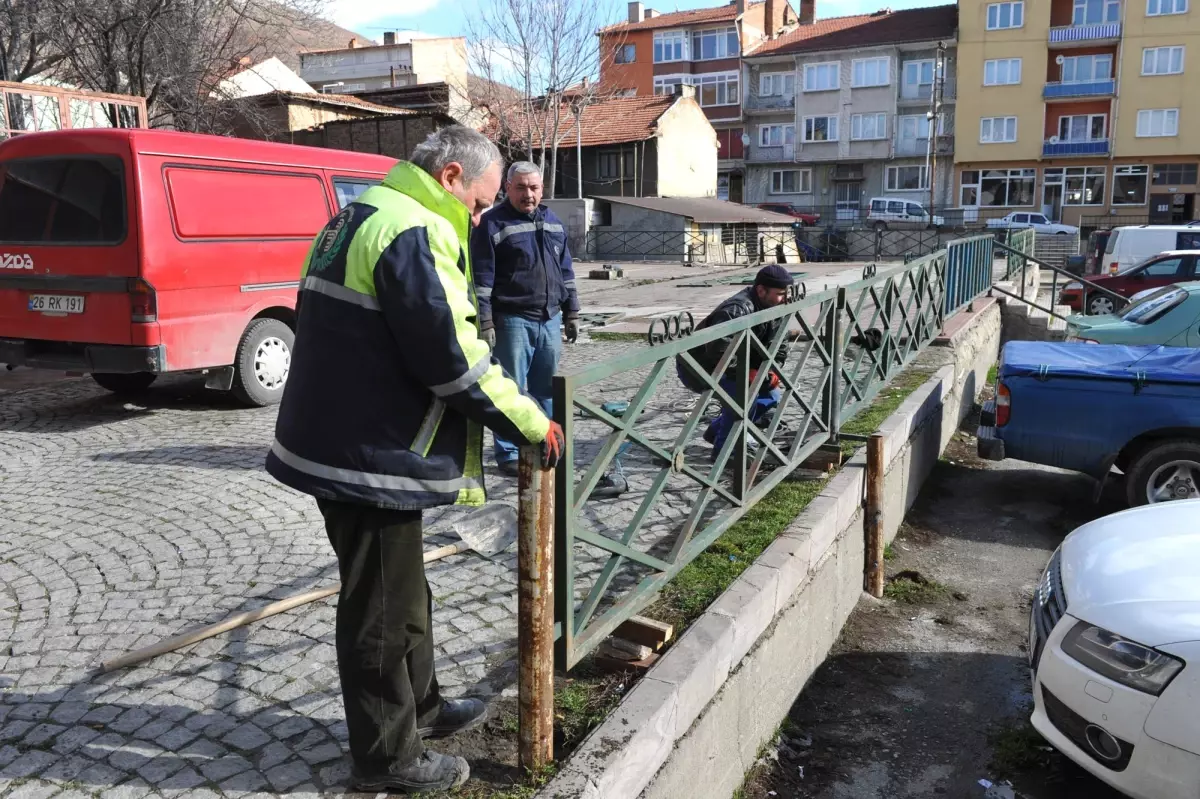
x=56 y=303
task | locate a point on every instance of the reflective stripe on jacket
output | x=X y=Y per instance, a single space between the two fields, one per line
x=390 y=382
x=522 y=264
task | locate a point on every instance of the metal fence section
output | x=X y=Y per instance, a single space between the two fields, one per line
x=1024 y=242
x=641 y=492
x=647 y=245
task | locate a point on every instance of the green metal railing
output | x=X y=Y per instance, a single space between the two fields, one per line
x=630 y=423
x=1022 y=241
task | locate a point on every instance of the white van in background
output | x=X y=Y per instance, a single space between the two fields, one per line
x=897 y=212
x=1132 y=245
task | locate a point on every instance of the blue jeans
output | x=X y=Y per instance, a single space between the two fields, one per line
x=718 y=429
x=529 y=352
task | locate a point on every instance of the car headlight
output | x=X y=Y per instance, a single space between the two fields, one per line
x=1121 y=660
x=1073 y=286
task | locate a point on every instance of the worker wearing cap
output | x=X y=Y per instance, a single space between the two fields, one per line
x=770 y=289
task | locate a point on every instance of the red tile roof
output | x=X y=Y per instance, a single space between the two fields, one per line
x=700 y=16
x=864 y=30
x=616 y=121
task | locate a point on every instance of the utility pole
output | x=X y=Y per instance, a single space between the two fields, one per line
x=935 y=117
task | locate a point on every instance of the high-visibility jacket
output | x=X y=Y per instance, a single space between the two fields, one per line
x=390 y=385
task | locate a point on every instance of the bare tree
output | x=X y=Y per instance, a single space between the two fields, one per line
x=175 y=53
x=25 y=49
x=548 y=51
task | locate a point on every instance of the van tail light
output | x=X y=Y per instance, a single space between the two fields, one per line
x=1112 y=268
x=143 y=303
x=1003 y=404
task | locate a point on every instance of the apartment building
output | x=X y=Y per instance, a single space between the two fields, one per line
x=840 y=110
x=652 y=53
x=404 y=59
x=1079 y=109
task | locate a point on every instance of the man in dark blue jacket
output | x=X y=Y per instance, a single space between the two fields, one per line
x=525 y=285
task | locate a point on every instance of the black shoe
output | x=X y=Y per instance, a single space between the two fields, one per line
x=432 y=771
x=709 y=437
x=456 y=715
x=508 y=468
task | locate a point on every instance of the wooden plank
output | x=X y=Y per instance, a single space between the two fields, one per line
x=644 y=631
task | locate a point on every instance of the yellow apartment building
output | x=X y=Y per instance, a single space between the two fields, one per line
x=1079 y=109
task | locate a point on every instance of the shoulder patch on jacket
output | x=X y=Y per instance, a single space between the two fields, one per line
x=328 y=258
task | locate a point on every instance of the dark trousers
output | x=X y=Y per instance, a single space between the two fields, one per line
x=384 y=633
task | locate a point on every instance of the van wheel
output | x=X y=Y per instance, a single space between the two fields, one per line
x=134 y=383
x=264 y=358
x=1163 y=473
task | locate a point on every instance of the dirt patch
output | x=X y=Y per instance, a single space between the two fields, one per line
x=927 y=690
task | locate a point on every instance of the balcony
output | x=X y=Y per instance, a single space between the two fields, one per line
x=1074 y=35
x=770 y=104
x=766 y=155
x=1075 y=91
x=921 y=95
x=1066 y=148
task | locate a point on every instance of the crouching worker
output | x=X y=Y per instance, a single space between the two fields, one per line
x=770 y=289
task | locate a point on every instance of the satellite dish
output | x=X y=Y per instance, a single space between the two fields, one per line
x=745 y=140
x=1054 y=140
x=1059 y=60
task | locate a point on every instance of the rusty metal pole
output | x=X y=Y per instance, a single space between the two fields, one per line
x=535 y=610
x=873 y=518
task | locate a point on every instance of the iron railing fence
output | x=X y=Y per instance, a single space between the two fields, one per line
x=641 y=492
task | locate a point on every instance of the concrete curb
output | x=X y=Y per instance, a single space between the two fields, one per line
x=701 y=714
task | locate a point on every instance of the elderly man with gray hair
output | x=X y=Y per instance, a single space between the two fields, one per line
x=390 y=385
x=526 y=288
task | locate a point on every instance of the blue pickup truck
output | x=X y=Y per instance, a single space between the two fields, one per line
x=1090 y=407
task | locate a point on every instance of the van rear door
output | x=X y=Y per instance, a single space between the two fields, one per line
x=68 y=244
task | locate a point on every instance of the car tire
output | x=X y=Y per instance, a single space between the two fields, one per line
x=1100 y=305
x=264 y=358
x=134 y=383
x=1168 y=471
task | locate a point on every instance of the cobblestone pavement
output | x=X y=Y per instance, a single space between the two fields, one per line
x=125 y=523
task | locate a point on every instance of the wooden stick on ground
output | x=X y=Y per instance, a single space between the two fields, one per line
x=246 y=617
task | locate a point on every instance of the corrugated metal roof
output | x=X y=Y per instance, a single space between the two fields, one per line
x=705 y=210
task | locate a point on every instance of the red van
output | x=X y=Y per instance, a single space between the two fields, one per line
x=128 y=254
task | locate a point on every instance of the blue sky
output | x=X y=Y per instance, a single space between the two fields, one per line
x=447 y=17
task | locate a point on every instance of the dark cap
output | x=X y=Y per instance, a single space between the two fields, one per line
x=773 y=276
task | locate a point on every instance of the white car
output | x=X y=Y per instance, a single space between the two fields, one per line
x=897 y=212
x=1039 y=222
x=1114 y=649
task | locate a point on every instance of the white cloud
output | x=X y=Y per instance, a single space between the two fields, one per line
x=353 y=14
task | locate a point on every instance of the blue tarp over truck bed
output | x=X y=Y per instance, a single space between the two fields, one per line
x=1100 y=362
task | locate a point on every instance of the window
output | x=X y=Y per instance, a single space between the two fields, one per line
x=916 y=127
x=868 y=126
x=1082 y=185
x=1153 y=307
x=1096 y=12
x=776 y=135
x=907 y=178
x=870 y=72
x=968 y=193
x=1158 y=122
x=609 y=165
x=1129 y=184
x=64 y=201
x=626 y=54
x=717 y=89
x=1162 y=60
x=1085 y=68
x=1167 y=267
x=1082 y=127
x=791 y=181
x=775 y=84
x=1011 y=188
x=918 y=79
x=670 y=46
x=1174 y=174
x=1155 y=8
x=1001 y=71
x=1005 y=15
x=715 y=43
x=666 y=84
x=821 y=77
x=820 y=128
x=997 y=129
x=348 y=190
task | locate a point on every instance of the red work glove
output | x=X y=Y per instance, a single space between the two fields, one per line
x=552 y=447
x=774 y=380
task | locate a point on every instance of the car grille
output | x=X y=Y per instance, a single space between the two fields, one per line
x=1049 y=605
x=1084 y=734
